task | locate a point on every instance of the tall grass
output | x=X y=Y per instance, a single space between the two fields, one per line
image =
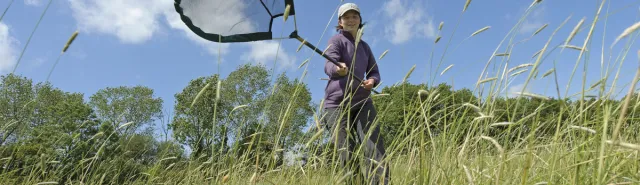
x=583 y=149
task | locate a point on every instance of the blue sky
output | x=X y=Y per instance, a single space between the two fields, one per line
x=143 y=42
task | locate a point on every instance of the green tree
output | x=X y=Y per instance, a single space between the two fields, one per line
x=288 y=111
x=120 y=105
x=193 y=120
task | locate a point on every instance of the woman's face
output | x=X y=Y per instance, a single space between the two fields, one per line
x=350 y=21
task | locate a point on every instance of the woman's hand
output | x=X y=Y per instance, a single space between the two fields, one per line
x=342 y=69
x=368 y=84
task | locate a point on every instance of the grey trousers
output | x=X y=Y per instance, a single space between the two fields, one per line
x=353 y=133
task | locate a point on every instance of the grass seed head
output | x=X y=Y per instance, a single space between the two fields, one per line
x=583 y=129
x=52 y=182
x=540 y=29
x=627 y=32
x=124 y=125
x=519 y=72
x=466 y=5
x=383 y=54
x=446 y=69
x=200 y=94
x=325 y=50
x=303 y=63
x=218 y=90
x=488 y=80
x=548 y=73
x=574 y=31
x=472 y=106
x=480 y=30
x=301 y=44
x=286 y=12
x=225 y=179
x=506 y=123
x=573 y=47
x=70 y=41
x=423 y=94
x=624 y=144
x=536 y=54
x=495 y=143
x=408 y=74
x=519 y=67
x=441 y=24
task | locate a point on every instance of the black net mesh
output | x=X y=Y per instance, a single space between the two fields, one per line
x=233 y=20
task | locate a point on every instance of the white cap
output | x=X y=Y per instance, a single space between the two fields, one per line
x=346 y=7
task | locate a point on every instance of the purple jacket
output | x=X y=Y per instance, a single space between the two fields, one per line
x=342 y=46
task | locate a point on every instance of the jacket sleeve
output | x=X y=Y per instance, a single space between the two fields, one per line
x=332 y=52
x=372 y=68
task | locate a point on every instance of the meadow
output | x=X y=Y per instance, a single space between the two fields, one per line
x=238 y=128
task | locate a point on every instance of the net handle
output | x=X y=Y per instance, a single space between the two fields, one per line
x=295 y=35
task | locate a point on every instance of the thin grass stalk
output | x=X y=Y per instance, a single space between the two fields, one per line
x=498 y=47
x=6 y=9
x=622 y=118
x=538 y=61
x=31 y=35
x=450 y=38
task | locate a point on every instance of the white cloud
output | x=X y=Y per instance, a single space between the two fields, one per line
x=33 y=2
x=173 y=19
x=130 y=21
x=136 y=22
x=534 y=21
x=264 y=52
x=515 y=90
x=8 y=50
x=408 y=21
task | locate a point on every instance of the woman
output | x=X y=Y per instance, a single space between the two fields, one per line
x=349 y=109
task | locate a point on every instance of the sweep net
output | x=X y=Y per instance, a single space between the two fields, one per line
x=232 y=20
